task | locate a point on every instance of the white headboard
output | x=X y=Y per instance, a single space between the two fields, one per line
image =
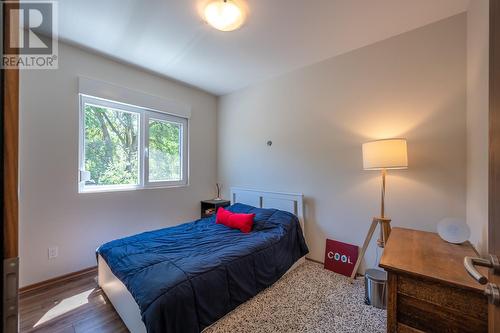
x=290 y=202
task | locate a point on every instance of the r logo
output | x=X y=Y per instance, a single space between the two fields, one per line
x=31 y=28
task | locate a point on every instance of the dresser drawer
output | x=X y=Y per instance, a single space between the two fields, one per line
x=453 y=299
x=429 y=317
x=402 y=328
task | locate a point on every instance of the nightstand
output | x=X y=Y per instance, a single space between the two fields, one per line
x=429 y=289
x=209 y=207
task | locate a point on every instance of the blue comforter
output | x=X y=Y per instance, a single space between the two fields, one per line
x=186 y=277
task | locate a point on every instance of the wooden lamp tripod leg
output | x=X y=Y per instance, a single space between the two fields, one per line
x=385 y=229
x=363 y=250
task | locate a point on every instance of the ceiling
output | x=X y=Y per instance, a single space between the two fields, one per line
x=169 y=37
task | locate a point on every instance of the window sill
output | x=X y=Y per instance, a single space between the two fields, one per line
x=130 y=188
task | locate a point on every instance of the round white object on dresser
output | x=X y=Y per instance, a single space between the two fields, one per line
x=453 y=230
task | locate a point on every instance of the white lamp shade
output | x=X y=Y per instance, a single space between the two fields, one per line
x=385 y=154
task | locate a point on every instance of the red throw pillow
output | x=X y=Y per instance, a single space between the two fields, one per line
x=243 y=222
x=222 y=216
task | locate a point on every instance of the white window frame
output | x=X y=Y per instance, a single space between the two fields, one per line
x=143 y=132
x=184 y=151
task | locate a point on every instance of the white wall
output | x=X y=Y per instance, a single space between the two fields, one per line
x=52 y=213
x=477 y=121
x=412 y=85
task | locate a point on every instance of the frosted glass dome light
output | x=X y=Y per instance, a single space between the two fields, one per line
x=224 y=15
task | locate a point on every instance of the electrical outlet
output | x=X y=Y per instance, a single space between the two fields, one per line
x=53 y=252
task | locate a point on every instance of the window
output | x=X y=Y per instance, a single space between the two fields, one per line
x=128 y=147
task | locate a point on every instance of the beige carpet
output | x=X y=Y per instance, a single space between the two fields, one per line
x=309 y=299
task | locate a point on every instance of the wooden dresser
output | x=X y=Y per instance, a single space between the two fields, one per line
x=428 y=287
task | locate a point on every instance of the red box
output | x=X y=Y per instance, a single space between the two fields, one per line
x=340 y=257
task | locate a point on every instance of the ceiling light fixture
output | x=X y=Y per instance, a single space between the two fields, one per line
x=224 y=15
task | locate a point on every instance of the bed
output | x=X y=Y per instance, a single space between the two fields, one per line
x=184 y=278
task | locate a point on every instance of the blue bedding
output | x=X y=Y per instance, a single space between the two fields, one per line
x=186 y=277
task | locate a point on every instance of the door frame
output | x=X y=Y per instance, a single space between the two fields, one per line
x=10 y=157
x=1 y=166
x=494 y=154
x=9 y=186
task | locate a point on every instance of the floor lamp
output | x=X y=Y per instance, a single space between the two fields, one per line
x=381 y=155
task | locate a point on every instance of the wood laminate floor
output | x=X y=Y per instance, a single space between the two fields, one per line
x=75 y=306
